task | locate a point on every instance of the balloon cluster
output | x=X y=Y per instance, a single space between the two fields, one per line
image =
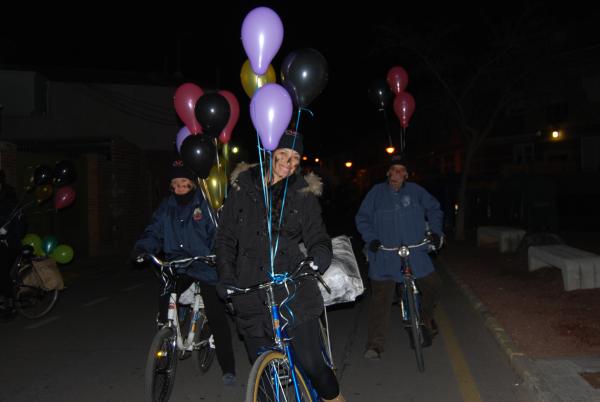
x=49 y=247
x=206 y=116
x=382 y=91
x=45 y=181
x=303 y=76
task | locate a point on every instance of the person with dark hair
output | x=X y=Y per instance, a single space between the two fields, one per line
x=181 y=227
x=395 y=213
x=243 y=249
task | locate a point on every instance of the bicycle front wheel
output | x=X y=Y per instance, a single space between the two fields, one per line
x=271 y=380
x=415 y=328
x=204 y=350
x=161 y=366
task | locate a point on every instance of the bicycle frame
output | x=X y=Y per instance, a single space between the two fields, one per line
x=280 y=337
x=169 y=278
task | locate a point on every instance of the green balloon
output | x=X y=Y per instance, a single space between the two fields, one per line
x=49 y=243
x=34 y=241
x=62 y=254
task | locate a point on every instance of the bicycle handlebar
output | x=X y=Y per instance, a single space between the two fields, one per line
x=424 y=242
x=280 y=279
x=181 y=263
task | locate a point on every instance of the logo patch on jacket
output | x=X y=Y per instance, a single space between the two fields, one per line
x=197 y=214
x=405 y=201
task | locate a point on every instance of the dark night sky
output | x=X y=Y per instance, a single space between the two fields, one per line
x=212 y=54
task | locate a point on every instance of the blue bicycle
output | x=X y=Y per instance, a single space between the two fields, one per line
x=274 y=375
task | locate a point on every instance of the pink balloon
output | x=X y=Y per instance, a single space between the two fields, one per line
x=271 y=111
x=64 y=197
x=185 y=100
x=404 y=107
x=234 y=115
x=397 y=79
x=262 y=35
x=183 y=133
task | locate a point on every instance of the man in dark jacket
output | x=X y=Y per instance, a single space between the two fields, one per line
x=397 y=213
x=181 y=227
x=243 y=256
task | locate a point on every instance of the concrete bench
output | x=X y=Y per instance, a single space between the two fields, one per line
x=580 y=269
x=507 y=238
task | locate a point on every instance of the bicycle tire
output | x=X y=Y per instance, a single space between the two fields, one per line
x=415 y=328
x=161 y=366
x=204 y=354
x=261 y=381
x=32 y=302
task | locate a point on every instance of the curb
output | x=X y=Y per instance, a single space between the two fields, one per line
x=520 y=362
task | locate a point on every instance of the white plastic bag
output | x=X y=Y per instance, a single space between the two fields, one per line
x=342 y=276
x=187 y=297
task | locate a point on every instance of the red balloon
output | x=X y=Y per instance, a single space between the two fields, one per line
x=185 y=100
x=404 y=107
x=397 y=79
x=234 y=115
x=64 y=197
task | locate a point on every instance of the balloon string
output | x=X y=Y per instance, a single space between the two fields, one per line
x=267 y=199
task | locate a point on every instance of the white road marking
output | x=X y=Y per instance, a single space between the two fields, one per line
x=95 y=301
x=139 y=285
x=42 y=323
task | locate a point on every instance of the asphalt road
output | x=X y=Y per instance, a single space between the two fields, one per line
x=93 y=346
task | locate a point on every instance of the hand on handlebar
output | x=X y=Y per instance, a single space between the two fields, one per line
x=374 y=245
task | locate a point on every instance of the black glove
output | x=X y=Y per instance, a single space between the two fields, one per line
x=374 y=245
x=222 y=286
x=136 y=257
x=436 y=240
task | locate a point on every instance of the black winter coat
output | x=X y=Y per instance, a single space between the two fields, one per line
x=243 y=253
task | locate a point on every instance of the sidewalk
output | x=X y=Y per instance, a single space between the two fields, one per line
x=551 y=337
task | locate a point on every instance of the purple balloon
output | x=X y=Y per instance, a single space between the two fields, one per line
x=262 y=35
x=183 y=133
x=271 y=111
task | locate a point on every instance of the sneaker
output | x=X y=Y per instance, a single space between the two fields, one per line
x=228 y=379
x=372 y=354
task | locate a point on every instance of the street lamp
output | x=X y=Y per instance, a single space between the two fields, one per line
x=348 y=164
x=317 y=160
x=235 y=150
x=390 y=150
x=305 y=158
x=556 y=134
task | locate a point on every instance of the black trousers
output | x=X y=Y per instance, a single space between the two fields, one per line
x=217 y=320
x=305 y=339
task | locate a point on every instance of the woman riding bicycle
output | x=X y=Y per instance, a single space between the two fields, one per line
x=242 y=247
x=182 y=227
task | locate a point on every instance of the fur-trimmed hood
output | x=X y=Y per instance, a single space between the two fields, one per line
x=309 y=183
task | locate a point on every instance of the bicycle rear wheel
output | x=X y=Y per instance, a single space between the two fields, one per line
x=161 y=366
x=32 y=302
x=415 y=327
x=271 y=380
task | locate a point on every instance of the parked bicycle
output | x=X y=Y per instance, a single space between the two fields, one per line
x=180 y=337
x=29 y=297
x=410 y=299
x=275 y=376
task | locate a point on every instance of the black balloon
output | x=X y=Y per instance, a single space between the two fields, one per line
x=304 y=75
x=42 y=175
x=64 y=173
x=212 y=112
x=198 y=153
x=380 y=93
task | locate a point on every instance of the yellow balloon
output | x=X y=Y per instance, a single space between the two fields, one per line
x=216 y=185
x=42 y=193
x=252 y=81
